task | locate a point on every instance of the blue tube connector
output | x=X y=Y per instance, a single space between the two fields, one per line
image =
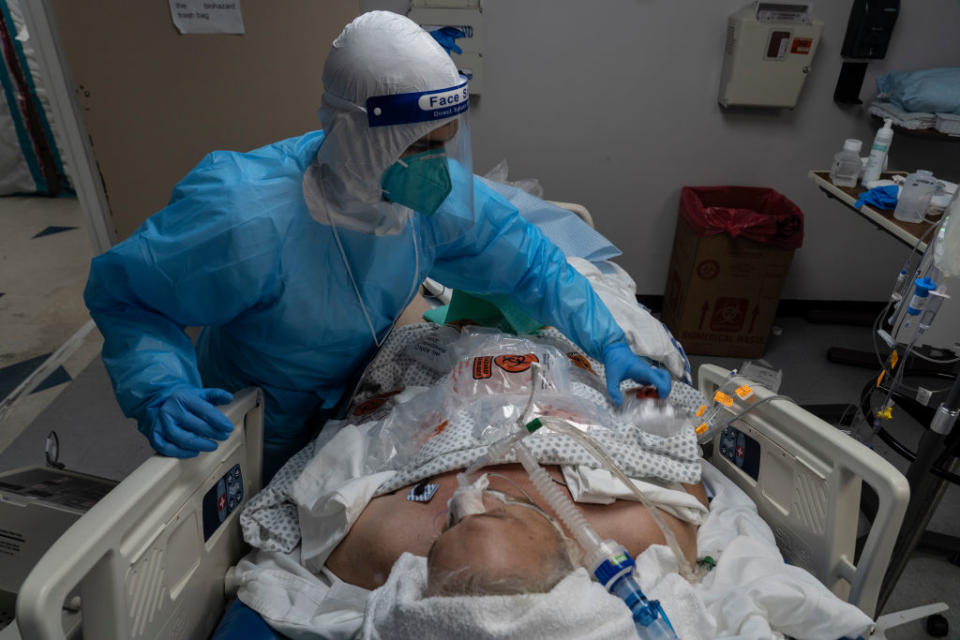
x=616 y=575
x=921 y=291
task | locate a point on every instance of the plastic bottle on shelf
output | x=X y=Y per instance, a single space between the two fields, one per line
x=846 y=164
x=918 y=189
x=878 y=153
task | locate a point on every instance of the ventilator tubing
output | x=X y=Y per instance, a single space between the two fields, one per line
x=582 y=532
x=562 y=426
x=607 y=560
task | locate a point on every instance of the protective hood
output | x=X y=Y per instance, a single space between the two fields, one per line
x=387 y=85
x=378 y=57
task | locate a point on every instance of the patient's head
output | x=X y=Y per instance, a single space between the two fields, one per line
x=512 y=548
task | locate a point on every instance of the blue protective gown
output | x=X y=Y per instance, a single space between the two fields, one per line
x=237 y=252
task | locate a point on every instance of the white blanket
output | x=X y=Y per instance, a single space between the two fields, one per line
x=647 y=335
x=575 y=609
x=750 y=593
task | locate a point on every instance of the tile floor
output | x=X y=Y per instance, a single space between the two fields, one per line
x=42 y=272
x=44 y=258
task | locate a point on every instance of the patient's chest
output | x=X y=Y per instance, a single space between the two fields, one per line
x=391 y=524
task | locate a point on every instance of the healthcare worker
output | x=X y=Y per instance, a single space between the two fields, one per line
x=298 y=257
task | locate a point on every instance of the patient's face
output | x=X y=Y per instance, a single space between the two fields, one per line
x=508 y=541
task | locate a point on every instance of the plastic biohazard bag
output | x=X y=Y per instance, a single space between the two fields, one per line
x=493 y=363
x=759 y=214
x=487 y=393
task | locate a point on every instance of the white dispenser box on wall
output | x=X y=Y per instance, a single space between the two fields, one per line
x=769 y=49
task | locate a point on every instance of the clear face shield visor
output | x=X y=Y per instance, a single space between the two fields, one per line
x=438 y=164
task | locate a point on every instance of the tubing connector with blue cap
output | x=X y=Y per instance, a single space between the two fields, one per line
x=921 y=293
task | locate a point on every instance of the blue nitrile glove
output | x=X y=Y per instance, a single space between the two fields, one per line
x=622 y=364
x=187 y=422
x=447 y=37
x=879 y=197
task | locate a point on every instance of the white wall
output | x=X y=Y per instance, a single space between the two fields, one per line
x=613 y=103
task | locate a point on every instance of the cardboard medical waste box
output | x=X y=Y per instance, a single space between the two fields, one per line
x=731 y=255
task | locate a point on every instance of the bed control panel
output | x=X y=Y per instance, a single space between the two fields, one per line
x=220 y=501
x=741 y=450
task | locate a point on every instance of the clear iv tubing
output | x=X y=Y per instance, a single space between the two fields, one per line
x=894 y=384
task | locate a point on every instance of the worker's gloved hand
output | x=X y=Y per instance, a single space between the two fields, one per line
x=623 y=364
x=187 y=422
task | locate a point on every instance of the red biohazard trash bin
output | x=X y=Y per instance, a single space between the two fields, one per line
x=731 y=255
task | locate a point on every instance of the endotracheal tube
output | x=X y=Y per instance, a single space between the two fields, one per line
x=607 y=560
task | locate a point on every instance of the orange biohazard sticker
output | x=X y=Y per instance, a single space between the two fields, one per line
x=515 y=363
x=482 y=367
x=581 y=362
x=723 y=399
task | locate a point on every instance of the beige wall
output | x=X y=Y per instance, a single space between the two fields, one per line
x=155 y=102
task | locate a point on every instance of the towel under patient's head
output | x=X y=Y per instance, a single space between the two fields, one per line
x=575 y=608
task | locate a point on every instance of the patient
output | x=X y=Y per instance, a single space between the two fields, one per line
x=510 y=549
x=343 y=551
x=361 y=518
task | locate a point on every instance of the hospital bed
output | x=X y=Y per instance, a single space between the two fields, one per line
x=148 y=561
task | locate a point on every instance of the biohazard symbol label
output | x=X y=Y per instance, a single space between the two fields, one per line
x=482 y=367
x=708 y=269
x=370 y=405
x=581 y=362
x=515 y=363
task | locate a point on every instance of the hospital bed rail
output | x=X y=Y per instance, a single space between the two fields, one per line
x=150 y=557
x=805 y=477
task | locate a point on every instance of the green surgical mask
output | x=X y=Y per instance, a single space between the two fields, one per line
x=421 y=181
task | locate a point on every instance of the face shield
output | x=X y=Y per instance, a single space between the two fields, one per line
x=422 y=178
x=392 y=157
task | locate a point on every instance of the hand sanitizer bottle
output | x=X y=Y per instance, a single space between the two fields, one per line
x=878 y=153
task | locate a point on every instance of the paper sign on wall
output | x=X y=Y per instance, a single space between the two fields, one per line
x=206 y=16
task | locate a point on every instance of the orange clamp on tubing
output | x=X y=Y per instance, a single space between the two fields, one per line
x=744 y=392
x=702 y=429
x=702 y=410
x=723 y=399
